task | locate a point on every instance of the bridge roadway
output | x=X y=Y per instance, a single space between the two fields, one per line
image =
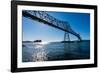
x=43 y=16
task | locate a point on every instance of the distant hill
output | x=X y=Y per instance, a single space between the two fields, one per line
x=37 y=41
x=56 y=41
x=74 y=41
x=32 y=41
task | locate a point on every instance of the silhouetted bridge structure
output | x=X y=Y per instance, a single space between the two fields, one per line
x=43 y=16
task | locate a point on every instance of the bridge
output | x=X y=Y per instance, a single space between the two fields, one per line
x=44 y=17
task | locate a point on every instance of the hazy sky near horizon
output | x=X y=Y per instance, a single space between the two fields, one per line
x=34 y=30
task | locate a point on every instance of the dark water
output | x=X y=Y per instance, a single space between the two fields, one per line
x=32 y=52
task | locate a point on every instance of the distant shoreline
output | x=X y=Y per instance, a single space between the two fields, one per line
x=56 y=41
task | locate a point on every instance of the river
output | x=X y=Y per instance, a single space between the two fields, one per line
x=54 y=51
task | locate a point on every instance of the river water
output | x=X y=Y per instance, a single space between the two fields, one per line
x=33 y=52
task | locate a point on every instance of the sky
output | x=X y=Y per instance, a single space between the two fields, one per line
x=34 y=30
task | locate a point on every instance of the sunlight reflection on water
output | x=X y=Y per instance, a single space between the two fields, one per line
x=40 y=54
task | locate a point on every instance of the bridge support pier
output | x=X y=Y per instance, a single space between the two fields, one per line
x=68 y=37
x=67 y=45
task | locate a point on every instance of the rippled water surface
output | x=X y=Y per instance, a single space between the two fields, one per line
x=32 y=52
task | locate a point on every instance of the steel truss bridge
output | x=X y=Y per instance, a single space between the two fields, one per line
x=44 y=17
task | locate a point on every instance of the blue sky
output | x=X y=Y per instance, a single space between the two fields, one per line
x=34 y=30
